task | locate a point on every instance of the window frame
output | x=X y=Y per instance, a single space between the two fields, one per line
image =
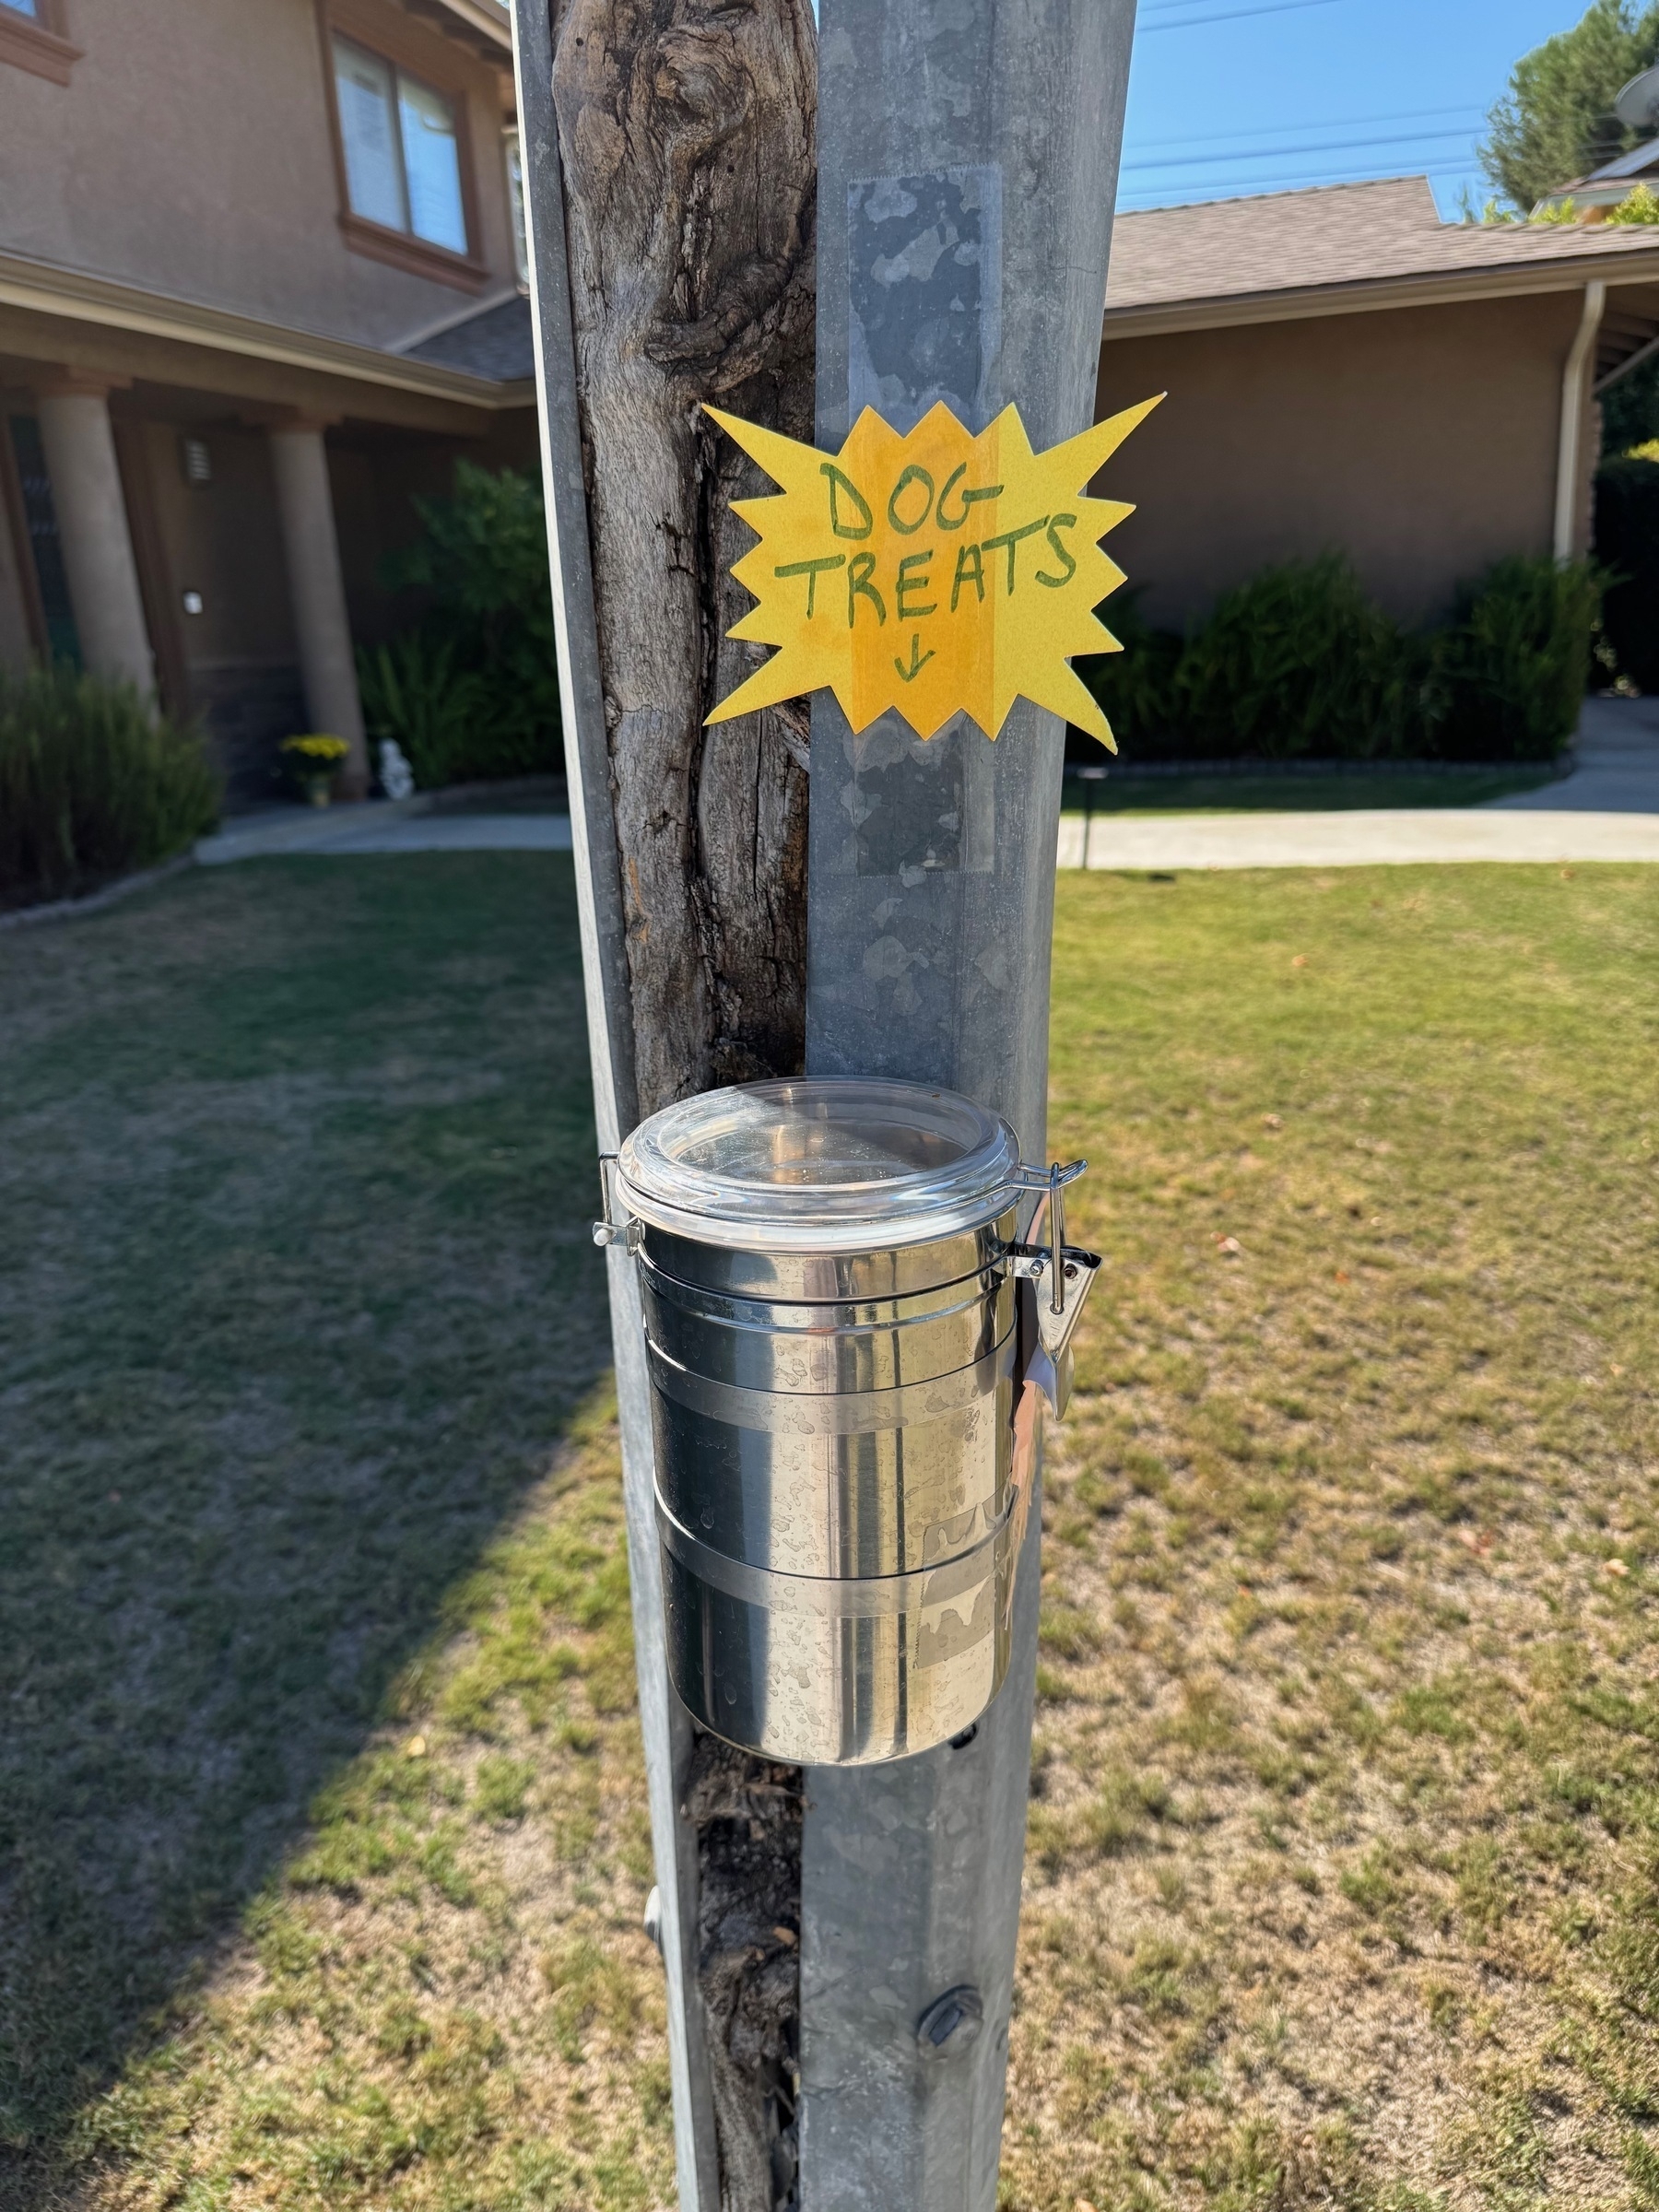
x=39 y=43
x=518 y=220
x=364 y=28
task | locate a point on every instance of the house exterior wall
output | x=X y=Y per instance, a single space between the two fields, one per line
x=193 y=154
x=238 y=661
x=1420 y=441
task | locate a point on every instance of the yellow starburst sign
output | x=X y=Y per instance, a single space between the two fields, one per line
x=930 y=573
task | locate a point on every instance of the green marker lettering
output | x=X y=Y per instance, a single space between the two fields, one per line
x=1059 y=522
x=860 y=569
x=909 y=583
x=964 y=574
x=812 y=570
x=989 y=492
x=838 y=482
x=1011 y=538
x=913 y=475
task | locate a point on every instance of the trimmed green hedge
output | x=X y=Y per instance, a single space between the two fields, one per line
x=93 y=784
x=1298 y=662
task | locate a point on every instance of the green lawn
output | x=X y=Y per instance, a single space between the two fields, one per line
x=322 y=1835
x=1120 y=791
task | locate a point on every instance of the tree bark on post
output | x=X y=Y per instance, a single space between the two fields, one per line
x=671 y=182
x=687 y=133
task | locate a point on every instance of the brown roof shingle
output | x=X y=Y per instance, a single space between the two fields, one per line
x=1331 y=236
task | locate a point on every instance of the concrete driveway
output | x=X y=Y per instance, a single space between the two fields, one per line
x=1617 y=770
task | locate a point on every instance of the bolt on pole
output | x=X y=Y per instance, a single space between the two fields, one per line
x=968 y=159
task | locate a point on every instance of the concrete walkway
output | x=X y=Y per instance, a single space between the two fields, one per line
x=1607 y=809
x=382 y=826
x=1364 y=837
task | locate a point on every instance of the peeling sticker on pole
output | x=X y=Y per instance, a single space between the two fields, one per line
x=935 y=572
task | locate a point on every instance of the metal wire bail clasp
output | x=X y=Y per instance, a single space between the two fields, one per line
x=608 y=1230
x=1070 y=1271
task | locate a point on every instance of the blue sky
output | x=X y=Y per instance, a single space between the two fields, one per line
x=1229 y=97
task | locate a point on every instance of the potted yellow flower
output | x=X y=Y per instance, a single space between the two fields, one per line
x=314 y=762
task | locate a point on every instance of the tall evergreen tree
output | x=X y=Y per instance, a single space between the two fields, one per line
x=1557 y=122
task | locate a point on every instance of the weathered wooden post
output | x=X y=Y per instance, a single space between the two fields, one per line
x=968 y=156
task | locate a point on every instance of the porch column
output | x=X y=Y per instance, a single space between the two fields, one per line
x=305 y=504
x=92 y=528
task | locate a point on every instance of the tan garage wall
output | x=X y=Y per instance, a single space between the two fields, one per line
x=1421 y=442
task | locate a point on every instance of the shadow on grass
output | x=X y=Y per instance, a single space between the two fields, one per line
x=296 y=1298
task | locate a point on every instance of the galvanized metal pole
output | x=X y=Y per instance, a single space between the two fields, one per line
x=968 y=156
x=662 y=1718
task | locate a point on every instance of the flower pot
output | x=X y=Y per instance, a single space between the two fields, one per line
x=319 y=789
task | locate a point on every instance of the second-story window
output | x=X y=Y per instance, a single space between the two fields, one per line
x=34 y=37
x=402 y=154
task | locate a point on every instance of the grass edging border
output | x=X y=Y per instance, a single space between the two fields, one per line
x=1241 y=765
x=63 y=909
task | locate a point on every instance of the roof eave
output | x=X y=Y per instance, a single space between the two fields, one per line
x=73 y=295
x=485 y=24
x=1305 y=304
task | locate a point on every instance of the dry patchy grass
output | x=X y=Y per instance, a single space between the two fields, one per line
x=1343 y=1885
x=1344 y=1878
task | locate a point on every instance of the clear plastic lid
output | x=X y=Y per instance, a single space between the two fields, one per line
x=825 y=1164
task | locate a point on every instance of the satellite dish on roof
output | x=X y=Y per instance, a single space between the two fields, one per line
x=1637 y=106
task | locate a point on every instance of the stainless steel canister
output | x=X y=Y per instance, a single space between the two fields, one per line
x=828 y=1272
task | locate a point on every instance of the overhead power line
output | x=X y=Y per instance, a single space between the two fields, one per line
x=1272 y=153
x=1146 y=28
x=1153 y=195
x=1326 y=123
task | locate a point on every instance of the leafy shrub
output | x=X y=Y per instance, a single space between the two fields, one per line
x=1298 y=662
x=473 y=689
x=93 y=784
x=1507 y=676
x=1136 y=687
x=1295 y=662
x=414 y=691
x=1627 y=539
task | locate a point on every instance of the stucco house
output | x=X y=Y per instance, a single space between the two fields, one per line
x=261 y=278
x=1347 y=371
x=259 y=281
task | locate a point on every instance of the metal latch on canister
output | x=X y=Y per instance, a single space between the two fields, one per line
x=609 y=1228
x=1055 y=1279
